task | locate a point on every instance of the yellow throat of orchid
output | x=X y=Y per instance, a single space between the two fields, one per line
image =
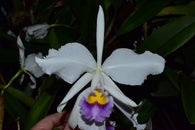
x=97 y=97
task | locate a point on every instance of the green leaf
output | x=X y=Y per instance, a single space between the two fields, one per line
x=188 y=54
x=53 y=41
x=86 y=15
x=188 y=98
x=178 y=10
x=170 y=37
x=146 y=111
x=145 y=10
x=23 y=97
x=107 y=4
x=165 y=89
x=14 y=107
x=173 y=77
x=39 y=109
x=44 y=9
x=65 y=16
x=65 y=35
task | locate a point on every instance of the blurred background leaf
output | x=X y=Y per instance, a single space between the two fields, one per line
x=145 y=10
x=53 y=41
x=170 y=37
x=15 y=108
x=188 y=97
x=2 y=104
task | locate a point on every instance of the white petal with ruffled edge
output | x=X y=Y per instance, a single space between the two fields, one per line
x=83 y=81
x=31 y=66
x=126 y=67
x=69 y=62
x=100 y=36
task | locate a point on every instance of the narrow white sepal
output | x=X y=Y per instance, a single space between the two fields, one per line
x=113 y=90
x=73 y=119
x=131 y=117
x=33 y=86
x=100 y=35
x=69 y=62
x=75 y=114
x=21 y=51
x=126 y=67
x=84 y=80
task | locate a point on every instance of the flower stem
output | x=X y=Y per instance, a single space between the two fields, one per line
x=59 y=25
x=12 y=79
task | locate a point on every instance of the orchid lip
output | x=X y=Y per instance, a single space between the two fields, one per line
x=98 y=107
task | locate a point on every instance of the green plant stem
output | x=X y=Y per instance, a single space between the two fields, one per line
x=59 y=25
x=12 y=79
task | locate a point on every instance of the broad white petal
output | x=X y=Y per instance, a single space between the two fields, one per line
x=113 y=90
x=21 y=51
x=31 y=66
x=126 y=67
x=132 y=117
x=100 y=36
x=69 y=62
x=84 y=80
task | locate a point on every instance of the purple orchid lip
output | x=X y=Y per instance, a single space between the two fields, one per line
x=97 y=110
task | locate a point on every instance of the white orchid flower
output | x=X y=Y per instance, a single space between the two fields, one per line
x=28 y=64
x=123 y=66
x=38 y=31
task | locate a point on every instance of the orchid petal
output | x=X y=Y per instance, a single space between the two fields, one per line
x=73 y=119
x=94 y=126
x=69 y=62
x=84 y=80
x=132 y=117
x=113 y=90
x=21 y=51
x=31 y=66
x=126 y=67
x=100 y=36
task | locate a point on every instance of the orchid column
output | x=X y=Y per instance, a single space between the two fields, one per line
x=94 y=104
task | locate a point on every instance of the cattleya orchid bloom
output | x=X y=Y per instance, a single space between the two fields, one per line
x=94 y=105
x=28 y=64
x=38 y=31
